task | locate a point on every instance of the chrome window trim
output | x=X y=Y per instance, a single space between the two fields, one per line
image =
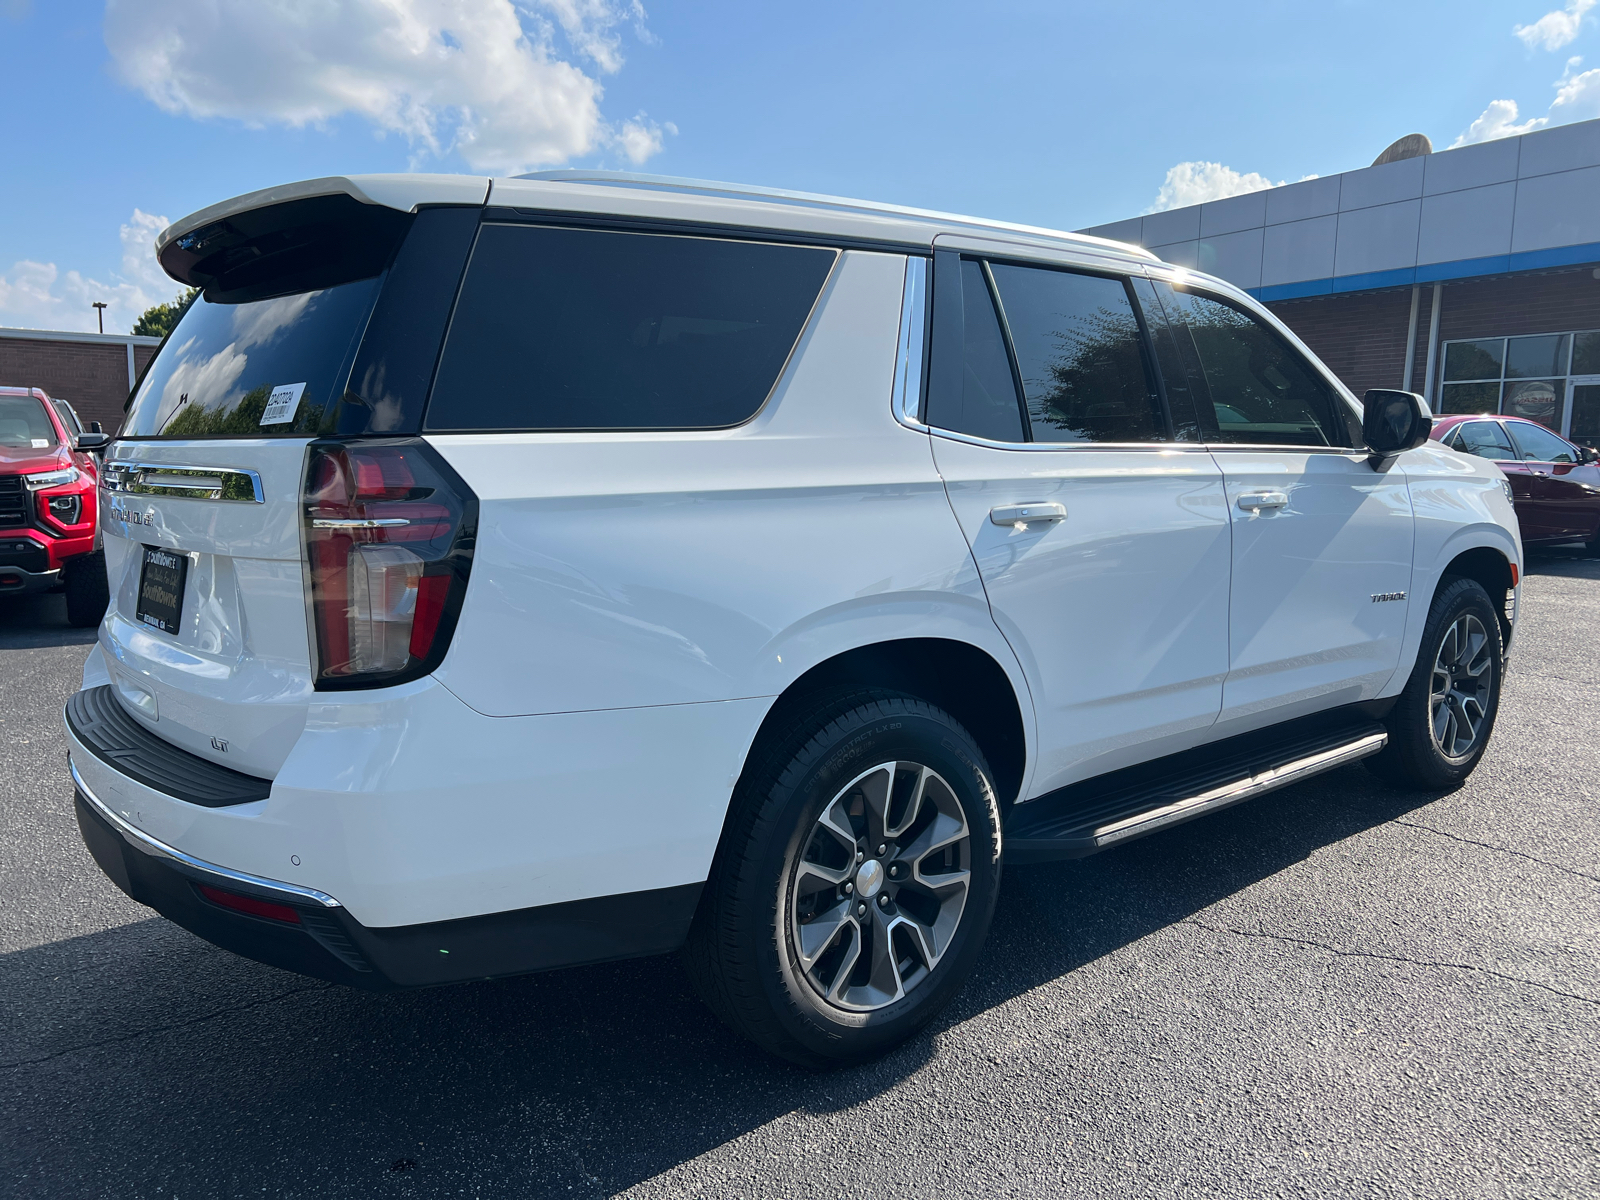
x=907 y=394
x=142 y=841
x=185 y=482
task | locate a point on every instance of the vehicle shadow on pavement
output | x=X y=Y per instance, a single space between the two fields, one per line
x=174 y=1065
x=38 y=620
x=1576 y=562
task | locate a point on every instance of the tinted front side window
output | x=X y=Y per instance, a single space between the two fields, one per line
x=1485 y=439
x=1080 y=355
x=1262 y=391
x=218 y=370
x=591 y=329
x=1538 y=445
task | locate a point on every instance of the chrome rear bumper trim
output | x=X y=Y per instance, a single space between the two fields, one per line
x=140 y=840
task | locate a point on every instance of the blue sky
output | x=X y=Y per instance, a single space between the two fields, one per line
x=1067 y=114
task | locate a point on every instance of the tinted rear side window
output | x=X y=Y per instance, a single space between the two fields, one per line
x=591 y=329
x=1080 y=355
x=217 y=372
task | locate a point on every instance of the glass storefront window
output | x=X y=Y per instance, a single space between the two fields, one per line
x=1474 y=360
x=1536 y=399
x=1585 y=427
x=1470 y=398
x=1537 y=357
x=1523 y=377
x=1586 y=353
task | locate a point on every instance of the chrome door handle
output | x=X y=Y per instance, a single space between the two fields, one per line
x=1021 y=514
x=1256 y=501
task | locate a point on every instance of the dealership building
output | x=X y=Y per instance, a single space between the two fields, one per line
x=1469 y=275
x=91 y=371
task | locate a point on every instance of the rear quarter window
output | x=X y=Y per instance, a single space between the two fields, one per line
x=218 y=372
x=567 y=329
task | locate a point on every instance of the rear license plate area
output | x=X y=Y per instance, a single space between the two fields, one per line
x=161 y=582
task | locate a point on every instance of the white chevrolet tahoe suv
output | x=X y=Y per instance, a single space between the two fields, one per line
x=521 y=573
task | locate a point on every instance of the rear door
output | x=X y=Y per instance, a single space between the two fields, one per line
x=1102 y=542
x=1322 y=543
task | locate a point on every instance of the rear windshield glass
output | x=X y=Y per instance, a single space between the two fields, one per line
x=591 y=329
x=24 y=425
x=253 y=370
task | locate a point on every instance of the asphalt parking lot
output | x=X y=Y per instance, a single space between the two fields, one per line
x=1336 y=990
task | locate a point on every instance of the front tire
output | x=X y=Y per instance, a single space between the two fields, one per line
x=856 y=881
x=88 y=593
x=1442 y=721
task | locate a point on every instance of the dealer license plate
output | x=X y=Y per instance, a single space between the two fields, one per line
x=161 y=588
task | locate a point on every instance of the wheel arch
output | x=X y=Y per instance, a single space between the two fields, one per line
x=1489 y=566
x=963 y=679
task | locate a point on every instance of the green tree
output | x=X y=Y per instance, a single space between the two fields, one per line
x=158 y=319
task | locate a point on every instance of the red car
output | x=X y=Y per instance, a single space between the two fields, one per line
x=49 y=526
x=1555 y=484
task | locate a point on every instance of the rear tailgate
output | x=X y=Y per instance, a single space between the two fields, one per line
x=232 y=680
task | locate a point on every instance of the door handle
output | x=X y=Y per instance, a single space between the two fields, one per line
x=1257 y=501
x=1021 y=514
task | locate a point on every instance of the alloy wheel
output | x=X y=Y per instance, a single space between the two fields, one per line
x=877 y=891
x=1459 y=695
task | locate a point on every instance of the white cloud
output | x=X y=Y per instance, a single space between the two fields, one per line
x=39 y=295
x=1497 y=121
x=480 y=77
x=1555 y=29
x=1577 y=99
x=1577 y=94
x=1196 y=182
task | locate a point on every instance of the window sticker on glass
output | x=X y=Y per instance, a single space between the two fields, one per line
x=282 y=403
x=39 y=443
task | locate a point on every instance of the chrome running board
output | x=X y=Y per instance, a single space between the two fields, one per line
x=1112 y=809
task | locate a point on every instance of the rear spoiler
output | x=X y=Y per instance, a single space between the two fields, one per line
x=306 y=235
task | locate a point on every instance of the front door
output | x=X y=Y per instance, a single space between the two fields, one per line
x=1561 y=499
x=1102 y=543
x=1322 y=542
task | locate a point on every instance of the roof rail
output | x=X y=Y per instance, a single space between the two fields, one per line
x=711 y=187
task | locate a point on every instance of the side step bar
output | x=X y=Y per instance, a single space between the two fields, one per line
x=1103 y=812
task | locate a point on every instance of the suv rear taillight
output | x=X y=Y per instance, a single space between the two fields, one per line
x=389 y=529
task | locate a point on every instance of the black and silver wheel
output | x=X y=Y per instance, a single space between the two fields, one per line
x=855 y=883
x=1441 y=723
x=876 y=895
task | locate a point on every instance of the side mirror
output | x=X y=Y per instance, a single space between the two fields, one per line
x=91 y=441
x=1393 y=422
x=94 y=427
x=1588 y=454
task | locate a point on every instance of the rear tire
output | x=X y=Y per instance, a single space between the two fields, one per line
x=88 y=593
x=855 y=883
x=1442 y=721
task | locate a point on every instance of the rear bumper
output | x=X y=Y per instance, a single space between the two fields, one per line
x=326 y=942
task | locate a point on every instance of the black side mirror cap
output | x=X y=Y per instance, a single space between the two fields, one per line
x=1393 y=422
x=91 y=441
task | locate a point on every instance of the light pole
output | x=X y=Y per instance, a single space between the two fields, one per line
x=100 y=313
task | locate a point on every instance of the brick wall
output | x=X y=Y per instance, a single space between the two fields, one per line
x=91 y=375
x=1362 y=335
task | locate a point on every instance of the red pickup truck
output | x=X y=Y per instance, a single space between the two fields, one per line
x=49 y=514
